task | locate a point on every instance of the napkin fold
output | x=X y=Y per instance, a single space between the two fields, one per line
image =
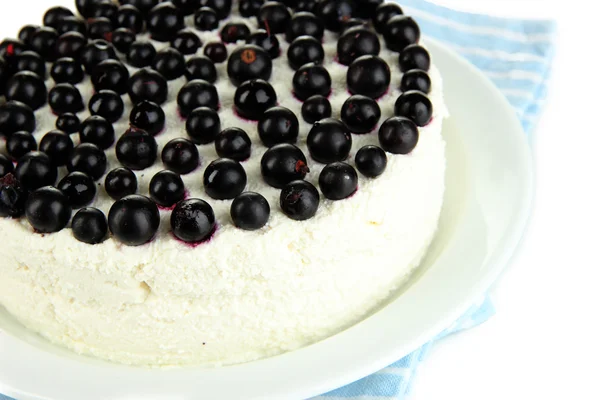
x=516 y=55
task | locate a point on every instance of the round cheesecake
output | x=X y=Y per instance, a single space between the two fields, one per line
x=246 y=290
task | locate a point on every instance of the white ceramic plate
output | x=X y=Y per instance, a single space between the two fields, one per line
x=489 y=183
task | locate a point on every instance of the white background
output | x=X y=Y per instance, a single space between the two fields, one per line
x=543 y=342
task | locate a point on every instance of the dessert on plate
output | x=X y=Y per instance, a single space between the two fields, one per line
x=211 y=182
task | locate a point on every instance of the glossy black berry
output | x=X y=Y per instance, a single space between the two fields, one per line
x=329 y=140
x=67 y=70
x=164 y=21
x=136 y=149
x=6 y=165
x=5 y=73
x=299 y=200
x=87 y=7
x=316 y=108
x=338 y=181
x=89 y=159
x=20 y=143
x=203 y=125
x=304 y=50
x=197 y=93
x=68 y=123
x=181 y=156
x=28 y=88
x=170 y=63
x=58 y=146
x=120 y=182
x=192 y=221
x=141 y=54
x=222 y=7
x=311 y=79
x=105 y=9
x=107 y=104
x=79 y=188
x=147 y=84
x=122 y=39
x=16 y=116
x=148 y=116
x=43 y=42
x=12 y=47
x=35 y=169
x=249 y=62
x=71 y=24
x=30 y=61
x=371 y=161
x=143 y=5
x=307 y=5
x=415 y=79
x=201 y=68
x=369 y=76
x=253 y=98
x=360 y=113
x=401 y=31
x=216 y=52
x=250 y=8
x=233 y=143
x=100 y=28
x=335 y=12
x=274 y=17
x=282 y=164
x=95 y=52
x=47 y=209
x=224 y=179
x=26 y=33
x=414 y=105
x=110 y=75
x=398 y=135
x=187 y=7
x=89 y=225
x=356 y=42
x=134 y=220
x=366 y=8
x=383 y=13
x=250 y=211
x=268 y=42
x=130 y=17
x=186 y=42
x=70 y=44
x=166 y=188
x=414 y=57
x=234 y=31
x=65 y=98
x=353 y=23
x=304 y=23
x=206 y=19
x=278 y=125
x=13 y=196
x=97 y=130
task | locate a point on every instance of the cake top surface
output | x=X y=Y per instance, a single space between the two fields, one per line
x=186 y=119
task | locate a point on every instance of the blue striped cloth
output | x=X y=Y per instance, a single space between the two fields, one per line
x=516 y=54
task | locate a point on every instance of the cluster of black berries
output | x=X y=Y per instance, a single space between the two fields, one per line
x=106 y=32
